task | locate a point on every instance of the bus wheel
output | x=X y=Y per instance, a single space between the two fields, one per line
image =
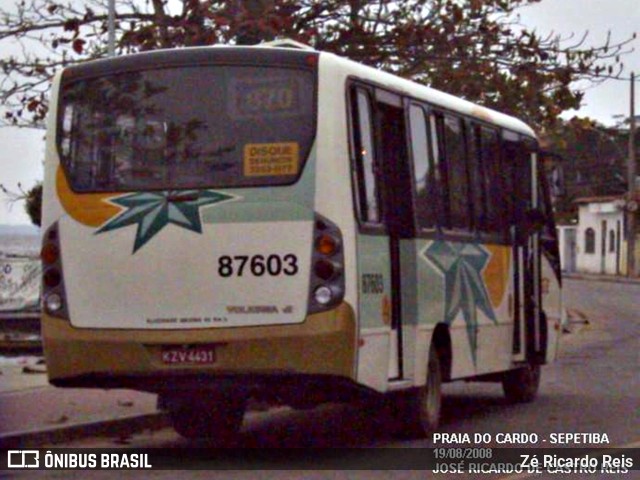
x=421 y=409
x=521 y=385
x=216 y=420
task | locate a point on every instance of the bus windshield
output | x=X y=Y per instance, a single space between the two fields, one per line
x=186 y=128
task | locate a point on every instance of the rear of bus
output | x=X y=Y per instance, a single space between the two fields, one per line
x=182 y=252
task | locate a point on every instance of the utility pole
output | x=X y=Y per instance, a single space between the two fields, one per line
x=632 y=202
x=111 y=26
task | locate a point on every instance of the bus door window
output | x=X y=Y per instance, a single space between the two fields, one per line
x=368 y=199
x=549 y=236
x=394 y=165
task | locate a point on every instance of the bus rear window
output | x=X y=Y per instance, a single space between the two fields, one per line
x=186 y=128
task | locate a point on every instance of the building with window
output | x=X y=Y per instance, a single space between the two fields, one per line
x=600 y=239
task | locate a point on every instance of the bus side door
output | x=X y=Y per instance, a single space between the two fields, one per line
x=383 y=203
x=397 y=213
x=530 y=331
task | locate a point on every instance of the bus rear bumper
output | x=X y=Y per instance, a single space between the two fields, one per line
x=297 y=390
x=323 y=346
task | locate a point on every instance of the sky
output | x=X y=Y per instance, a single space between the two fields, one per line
x=22 y=151
x=621 y=18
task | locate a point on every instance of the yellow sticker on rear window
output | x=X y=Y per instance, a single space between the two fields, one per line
x=271 y=159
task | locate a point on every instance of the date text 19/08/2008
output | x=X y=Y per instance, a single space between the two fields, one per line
x=521 y=438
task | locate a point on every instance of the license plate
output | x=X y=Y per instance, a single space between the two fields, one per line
x=189 y=356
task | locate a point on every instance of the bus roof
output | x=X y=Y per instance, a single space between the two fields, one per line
x=426 y=94
x=291 y=50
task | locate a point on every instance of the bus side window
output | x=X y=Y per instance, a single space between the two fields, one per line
x=439 y=170
x=368 y=199
x=477 y=173
x=495 y=218
x=517 y=168
x=508 y=158
x=456 y=179
x=424 y=178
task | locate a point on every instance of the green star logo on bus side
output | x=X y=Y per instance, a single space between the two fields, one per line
x=152 y=211
x=461 y=265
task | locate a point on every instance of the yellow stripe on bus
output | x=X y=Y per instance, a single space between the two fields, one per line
x=496 y=274
x=90 y=209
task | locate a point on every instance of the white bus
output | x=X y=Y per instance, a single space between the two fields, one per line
x=226 y=223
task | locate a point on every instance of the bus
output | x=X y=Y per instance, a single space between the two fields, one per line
x=224 y=224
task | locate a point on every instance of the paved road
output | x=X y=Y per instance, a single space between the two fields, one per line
x=594 y=387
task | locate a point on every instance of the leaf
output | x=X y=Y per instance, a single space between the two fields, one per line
x=436 y=42
x=71 y=25
x=78 y=45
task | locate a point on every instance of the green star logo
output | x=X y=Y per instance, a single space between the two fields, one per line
x=461 y=265
x=152 y=211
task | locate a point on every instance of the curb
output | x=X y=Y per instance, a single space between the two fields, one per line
x=120 y=427
x=601 y=278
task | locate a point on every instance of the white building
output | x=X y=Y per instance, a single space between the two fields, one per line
x=600 y=239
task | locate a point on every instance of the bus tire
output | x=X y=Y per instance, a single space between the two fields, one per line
x=521 y=385
x=422 y=405
x=218 y=420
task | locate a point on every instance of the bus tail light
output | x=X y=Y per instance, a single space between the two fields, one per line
x=54 y=300
x=325 y=270
x=326 y=244
x=323 y=295
x=53 y=303
x=326 y=289
x=50 y=253
x=51 y=278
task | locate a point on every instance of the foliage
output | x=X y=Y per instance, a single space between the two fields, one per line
x=594 y=160
x=472 y=48
x=32 y=199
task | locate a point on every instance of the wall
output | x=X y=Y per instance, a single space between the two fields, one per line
x=591 y=215
x=567 y=240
